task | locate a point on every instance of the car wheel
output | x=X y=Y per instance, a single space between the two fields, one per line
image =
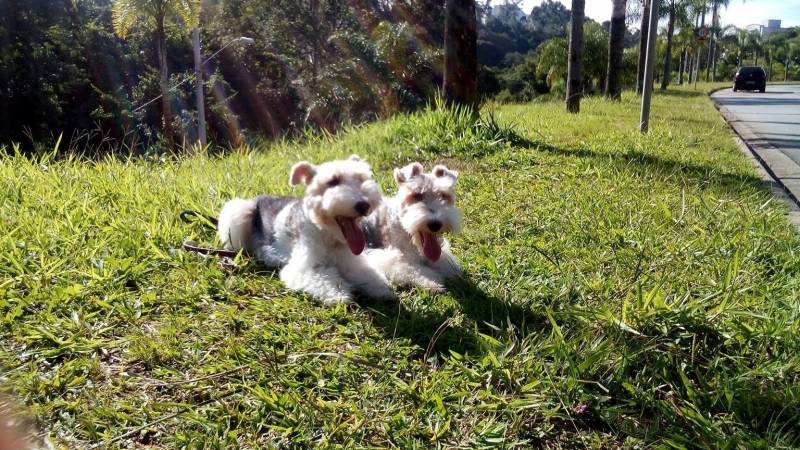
x=763 y=89
x=735 y=89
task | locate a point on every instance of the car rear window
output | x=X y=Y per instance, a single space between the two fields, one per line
x=749 y=70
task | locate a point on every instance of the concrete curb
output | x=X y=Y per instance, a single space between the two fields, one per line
x=777 y=170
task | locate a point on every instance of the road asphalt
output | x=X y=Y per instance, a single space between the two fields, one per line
x=769 y=124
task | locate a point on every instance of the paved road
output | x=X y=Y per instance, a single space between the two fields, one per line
x=773 y=116
x=770 y=125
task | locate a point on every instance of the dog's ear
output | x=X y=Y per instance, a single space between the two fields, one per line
x=408 y=172
x=355 y=158
x=442 y=171
x=302 y=172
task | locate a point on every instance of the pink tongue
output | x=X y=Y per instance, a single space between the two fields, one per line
x=430 y=246
x=353 y=234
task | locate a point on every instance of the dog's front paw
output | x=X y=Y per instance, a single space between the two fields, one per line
x=435 y=288
x=382 y=292
x=339 y=299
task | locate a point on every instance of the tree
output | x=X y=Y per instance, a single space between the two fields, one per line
x=616 y=45
x=668 y=52
x=129 y=13
x=702 y=12
x=685 y=38
x=574 y=78
x=504 y=31
x=548 y=20
x=644 y=28
x=460 y=53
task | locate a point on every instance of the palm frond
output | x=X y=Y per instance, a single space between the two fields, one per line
x=124 y=15
x=187 y=10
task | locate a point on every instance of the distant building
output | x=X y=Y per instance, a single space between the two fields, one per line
x=771 y=26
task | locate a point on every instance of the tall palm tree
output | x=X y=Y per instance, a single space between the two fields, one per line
x=616 y=45
x=715 y=34
x=461 y=53
x=702 y=10
x=754 y=43
x=668 y=52
x=154 y=13
x=685 y=38
x=645 y=24
x=574 y=76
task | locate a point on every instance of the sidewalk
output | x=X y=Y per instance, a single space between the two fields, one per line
x=747 y=115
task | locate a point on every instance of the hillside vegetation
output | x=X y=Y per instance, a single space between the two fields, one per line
x=622 y=291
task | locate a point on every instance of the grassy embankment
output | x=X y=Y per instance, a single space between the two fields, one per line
x=622 y=290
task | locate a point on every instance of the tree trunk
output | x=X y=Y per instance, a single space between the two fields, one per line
x=166 y=98
x=769 y=63
x=574 y=72
x=713 y=44
x=691 y=68
x=786 y=69
x=700 y=48
x=668 y=54
x=682 y=66
x=616 y=45
x=642 y=45
x=461 y=53
x=756 y=54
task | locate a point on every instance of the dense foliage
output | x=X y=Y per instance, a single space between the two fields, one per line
x=314 y=63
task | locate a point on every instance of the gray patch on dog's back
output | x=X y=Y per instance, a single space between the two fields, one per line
x=268 y=207
x=294 y=218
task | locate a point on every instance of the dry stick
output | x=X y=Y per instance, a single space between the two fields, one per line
x=436 y=335
x=206 y=377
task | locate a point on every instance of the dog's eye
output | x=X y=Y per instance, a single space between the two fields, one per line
x=334 y=182
x=447 y=198
x=417 y=197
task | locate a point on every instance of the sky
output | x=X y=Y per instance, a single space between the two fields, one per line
x=739 y=13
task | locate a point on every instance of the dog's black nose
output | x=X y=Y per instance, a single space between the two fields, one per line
x=362 y=208
x=434 y=225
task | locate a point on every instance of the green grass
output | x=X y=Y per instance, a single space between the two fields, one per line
x=623 y=291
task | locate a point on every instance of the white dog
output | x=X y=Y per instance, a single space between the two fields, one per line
x=318 y=240
x=405 y=234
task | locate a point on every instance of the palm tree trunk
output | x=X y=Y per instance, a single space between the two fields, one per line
x=768 y=56
x=461 y=53
x=690 y=63
x=682 y=65
x=166 y=100
x=700 y=48
x=713 y=44
x=668 y=53
x=616 y=45
x=574 y=76
x=642 y=45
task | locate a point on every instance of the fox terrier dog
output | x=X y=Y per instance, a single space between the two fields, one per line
x=316 y=240
x=405 y=233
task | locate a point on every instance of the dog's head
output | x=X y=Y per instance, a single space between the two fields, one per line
x=338 y=195
x=426 y=206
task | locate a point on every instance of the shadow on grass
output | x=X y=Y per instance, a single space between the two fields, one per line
x=680 y=93
x=661 y=167
x=463 y=327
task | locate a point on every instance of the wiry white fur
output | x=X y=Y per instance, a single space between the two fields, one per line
x=313 y=252
x=421 y=198
x=235 y=223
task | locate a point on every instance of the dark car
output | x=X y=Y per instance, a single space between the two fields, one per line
x=750 y=79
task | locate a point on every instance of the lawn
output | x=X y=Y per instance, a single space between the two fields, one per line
x=622 y=291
